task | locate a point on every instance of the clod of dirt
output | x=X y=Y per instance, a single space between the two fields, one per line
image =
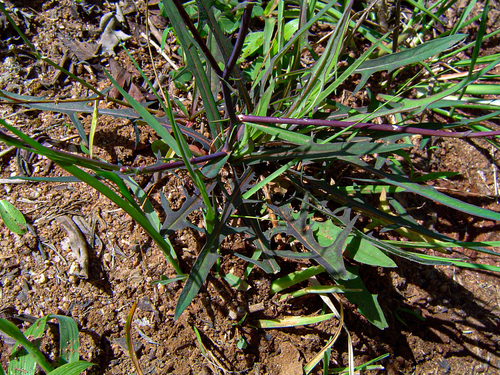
x=287 y=362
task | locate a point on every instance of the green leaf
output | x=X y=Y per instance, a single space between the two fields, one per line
x=225 y=47
x=361 y=205
x=73 y=368
x=177 y=220
x=144 y=202
x=428 y=192
x=131 y=209
x=367 y=303
x=72 y=109
x=357 y=248
x=211 y=169
x=321 y=70
x=25 y=359
x=12 y=217
x=148 y=117
x=330 y=257
x=410 y=56
x=208 y=255
x=294 y=278
x=194 y=64
x=314 y=151
x=253 y=42
x=69 y=342
x=259 y=239
x=286 y=48
x=292 y=321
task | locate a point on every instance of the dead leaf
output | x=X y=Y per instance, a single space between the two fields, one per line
x=111 y=34
x=82 y=50
x=77 y=243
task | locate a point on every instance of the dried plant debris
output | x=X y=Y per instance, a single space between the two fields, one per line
x=112 y=34
x=78 y=245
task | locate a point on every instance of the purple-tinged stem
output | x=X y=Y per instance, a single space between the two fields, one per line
x=368 y=126
x=197 y=37
x=235 y=54
x=172 y=165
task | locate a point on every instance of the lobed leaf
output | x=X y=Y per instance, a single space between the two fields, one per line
x=208 y=255
x=357 y=248
x=72 y=109
x=330 y=257
x=177 y=220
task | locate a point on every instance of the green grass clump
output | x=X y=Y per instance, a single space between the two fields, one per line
x=26 y=355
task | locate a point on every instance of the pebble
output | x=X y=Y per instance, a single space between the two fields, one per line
x=41 y=279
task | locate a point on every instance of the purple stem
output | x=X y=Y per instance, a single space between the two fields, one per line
x=245 y=21
x=230 y=110
x=197 y=37
x=368 y=126
x=174 y=164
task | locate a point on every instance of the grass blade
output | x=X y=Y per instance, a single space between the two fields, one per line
x=69 y=342
x=410 y=56
x=73 y=368
x=11 y=330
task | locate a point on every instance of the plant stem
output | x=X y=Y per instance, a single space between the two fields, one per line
x=230 y=110
x=174 y=164
x=367 y=126
x=197 y=37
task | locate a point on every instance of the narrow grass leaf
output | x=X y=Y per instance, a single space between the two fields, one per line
x=322 y=152
x=291 y=321
x=208 y=255
x=294 y=278
x=130 y=342
x=361 y=205
x=148 y=117
x=279 y=56
x=225 y=47
x=22 y=361
x=320 y=289
x=429 y=192
x=195 y=66
x=69 y=342
x=138 y=216
x=410 y=56
x=72 y=109
x=144 y=203
x=199 y=272
x=236 y=282
x=327 y=91
x=93 y=126
x=465 y=13
x=321 y=70
x=73 y=368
